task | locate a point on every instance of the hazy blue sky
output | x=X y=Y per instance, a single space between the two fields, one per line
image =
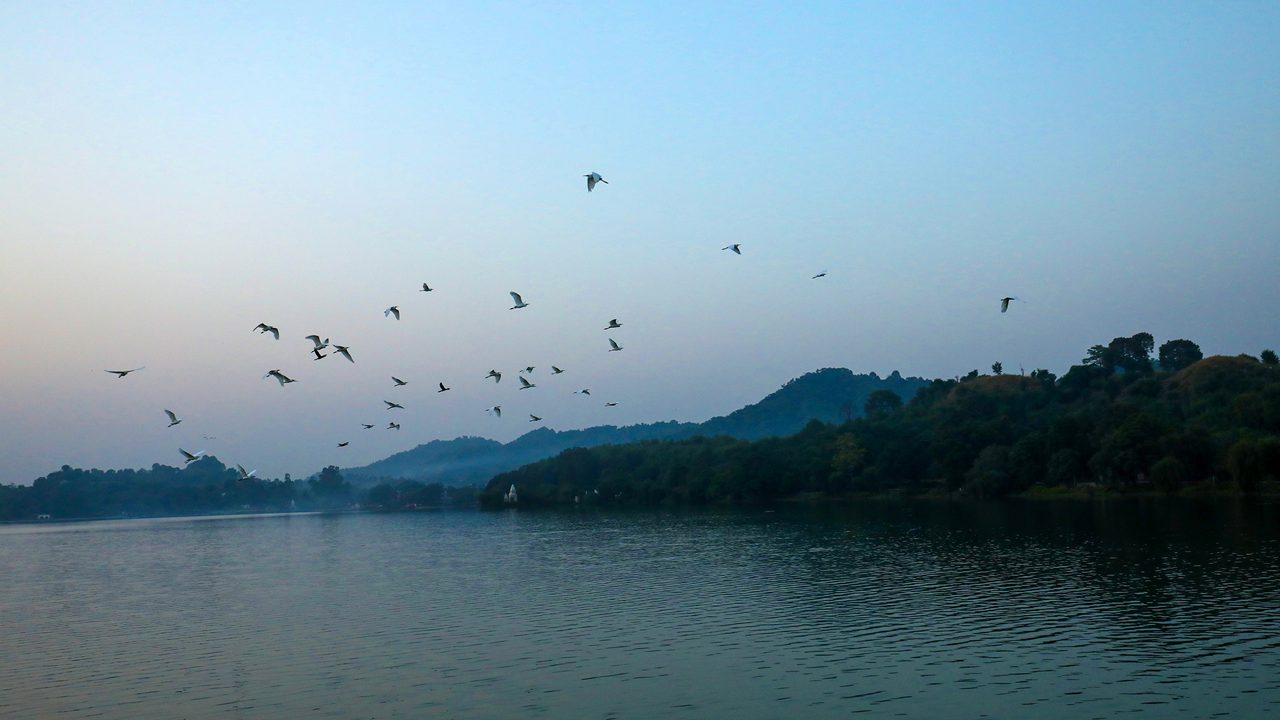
x=171 y=174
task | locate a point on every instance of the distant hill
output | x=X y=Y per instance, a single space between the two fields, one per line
x=831 y=395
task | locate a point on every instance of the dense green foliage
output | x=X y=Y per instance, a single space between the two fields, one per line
x=830 y=395
x=203 y=487
x=1116 y=422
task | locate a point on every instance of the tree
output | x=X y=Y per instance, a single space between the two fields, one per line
x=991 y=474
x=1178 y=354
x=1169 y=474
x=1101 y=357
x=1246 y=463
x=1269 y=357
x=1133 y=354
x=1066 y=467
x=382 y=496
x=997 y=368
x=847 y=461
x=881 y=402
x=329 y=489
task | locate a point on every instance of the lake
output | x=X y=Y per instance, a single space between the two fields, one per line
x=1054 y=609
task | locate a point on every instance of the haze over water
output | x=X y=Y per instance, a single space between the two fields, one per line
x=1047 y=610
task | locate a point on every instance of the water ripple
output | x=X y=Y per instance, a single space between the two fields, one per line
x=917 y=611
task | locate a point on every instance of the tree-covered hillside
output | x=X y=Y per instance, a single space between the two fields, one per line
x=829 y=395
x=1120 y=420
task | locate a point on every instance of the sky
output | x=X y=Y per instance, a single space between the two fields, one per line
x=172 y=174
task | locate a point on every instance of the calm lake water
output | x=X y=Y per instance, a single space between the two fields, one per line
x=1044 y=610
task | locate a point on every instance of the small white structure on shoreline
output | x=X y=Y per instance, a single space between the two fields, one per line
x=510 y=498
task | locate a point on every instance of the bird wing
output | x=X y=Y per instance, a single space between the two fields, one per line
x=614 y=344
x=261 y=326
x=345 y=354
x=442 y=387
x=275 y=332
x=186 y=454
x=515 y=297
x=172 y=417
x=591 y=183
x=497 y=378
x=524 y=383
x=316 y=340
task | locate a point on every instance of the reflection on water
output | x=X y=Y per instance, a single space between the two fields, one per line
x=917 y=610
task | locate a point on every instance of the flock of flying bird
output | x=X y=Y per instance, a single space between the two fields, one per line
x=320 y=345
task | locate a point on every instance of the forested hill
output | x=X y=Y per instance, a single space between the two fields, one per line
x=1119 y=421
x=829 y=395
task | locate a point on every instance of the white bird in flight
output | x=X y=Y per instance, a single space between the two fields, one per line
x=189 y=456
x=519 y=302
x=344 y=351
x=495 y=410
x=122 y=373
x=555 y=370
x=315 y=340
x=393 y=426
x=173 y=419
x=279 y=376
x=611 y=404
x=398 y=381
x=583 y=391
x=592 y=179
x=613 y=346
x=265 y=328
x=443 y=388
x=528 y=370
x=393 y=310
x=821 y=274
x=736 y=248
x=1004 y=303
x=425 y=288
x=391 y=405
x=525 y=384
x=497 y=376
x=366 y=426
x=613 y=324
x=243 y=474
x=534 y=418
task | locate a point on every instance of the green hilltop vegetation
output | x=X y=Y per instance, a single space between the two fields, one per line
x=831 y=395
x=1121 y=421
